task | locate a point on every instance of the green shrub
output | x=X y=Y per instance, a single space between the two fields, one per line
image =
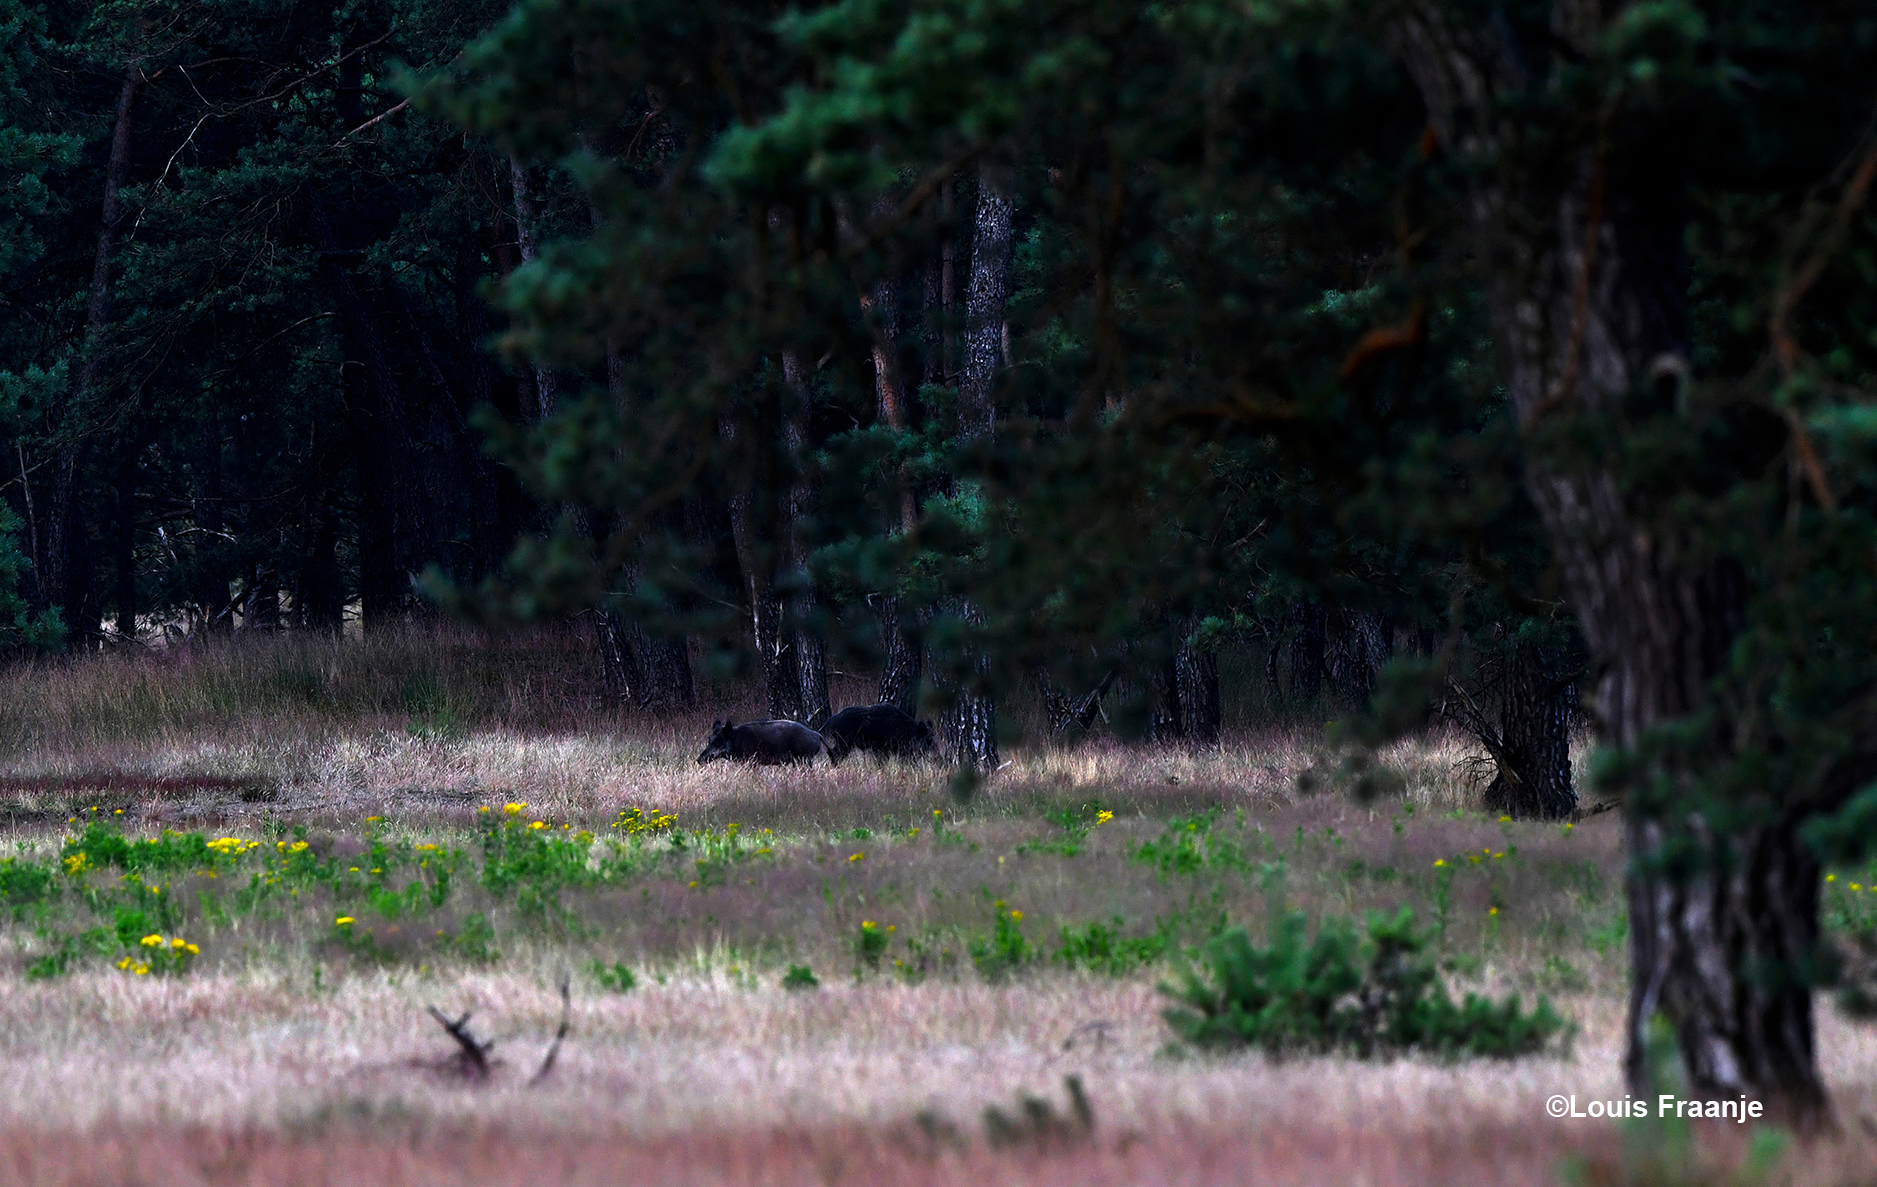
x=1372 y=993
x=1100 y=948
x=530 y=853
x=24 y=882
x=615 y=977
x=870 y=945
x=800 y=976
x=1006 y=949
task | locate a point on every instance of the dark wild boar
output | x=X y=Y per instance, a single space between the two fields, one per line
x=766 y=742
x=883 y=729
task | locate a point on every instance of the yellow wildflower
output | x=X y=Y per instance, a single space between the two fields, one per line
x=855 y=856
x=297 y=847
x=1439 y=861
x=152 y=941
x=538 y=825
x=1493 y=911
x=1103 y=817
x=1831 y=877
x=1505 y=820
x=1016 y=916
x=343 y=921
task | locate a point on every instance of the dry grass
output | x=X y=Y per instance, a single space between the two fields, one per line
x=282 y=1060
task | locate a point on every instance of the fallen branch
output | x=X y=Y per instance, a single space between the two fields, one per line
x=473 y=1059
x=566 y=1027
x=1081 y=715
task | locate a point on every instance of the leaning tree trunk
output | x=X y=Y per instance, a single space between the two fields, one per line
x=65 y=578
x=1587 y=295
x=971 y=726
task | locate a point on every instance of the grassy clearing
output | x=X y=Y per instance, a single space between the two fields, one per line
x=330 y=871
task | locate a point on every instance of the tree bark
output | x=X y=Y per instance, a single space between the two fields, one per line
x=527 y=225
x=319 y=596
x=971 y=726
x=1538 y=701
x=1587 y=291
x=1307 y=642
x=984 y=313
x=124 y=547
x=1355 y=648
x=782 y=685
x=811 y=663
x=1196 y=683
x=900 y=642
x=211 y=583
x=395 y=526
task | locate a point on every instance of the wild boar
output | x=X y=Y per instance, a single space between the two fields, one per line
x=883 y=729
x=766 y=742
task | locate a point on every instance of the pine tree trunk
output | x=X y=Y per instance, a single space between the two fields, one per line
x=1196 y=682
x=1714 y=954
x=621 y=677
x=1356 y=646
x=1587 y=293
x=527 y=226
x=65 y=569
x=394 y=529
x=211 y=591
x=811 y=664
x=124 y=547
x=905 y=657
x=1538 y=702
x=972 y=724
x=775 y=652
x=1307 y=642
x=319 y=594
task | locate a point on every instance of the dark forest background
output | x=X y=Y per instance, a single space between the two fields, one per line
x=1454 y=357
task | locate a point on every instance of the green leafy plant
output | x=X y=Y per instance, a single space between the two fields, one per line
x=800 y=976
x=871 y=944
x=1006 y=949
x=1372 y=992
x=1100 y=948
x=615 y=977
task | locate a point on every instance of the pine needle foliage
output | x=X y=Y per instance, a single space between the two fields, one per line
x=1371 y=991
